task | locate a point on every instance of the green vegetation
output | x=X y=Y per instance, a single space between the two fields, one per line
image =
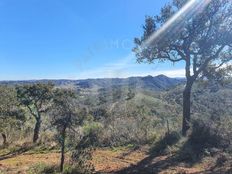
x=36 y=99
x=182 y=121
x=147 y=118
x=11 y=116
x=201 y=42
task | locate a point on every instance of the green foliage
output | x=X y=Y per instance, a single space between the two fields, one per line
x=204 y=134
x=186 y=42
x=64 y=117
x=134 y=122
x=42 y=168
x=161 y=146
x=11 y=115
x=207 y=138
x=82 y=162
x=130 y=95
x=9 y=106
x=92 y=127
x=36 y=98
x=82 y=154
x=203 y=41
x=102 y=96
x=77 y=169
x=64 y=109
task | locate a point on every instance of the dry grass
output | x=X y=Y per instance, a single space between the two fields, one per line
x=109 y=161
x=21 y=163
x=105 y=161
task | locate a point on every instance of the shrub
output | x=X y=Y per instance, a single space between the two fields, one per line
x=82 y=155
x=168 y=140
x=42 y=168
x=210 y=134
x=207 y=137
x=76 y=169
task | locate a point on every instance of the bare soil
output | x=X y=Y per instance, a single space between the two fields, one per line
x=121 y=160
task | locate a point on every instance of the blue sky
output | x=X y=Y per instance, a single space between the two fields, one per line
x=74 y=39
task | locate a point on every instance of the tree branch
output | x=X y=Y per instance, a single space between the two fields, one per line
x=205 y=64
x=178 y=49
x=31 y=111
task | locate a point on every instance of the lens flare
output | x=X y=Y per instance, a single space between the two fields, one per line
x=191 y=8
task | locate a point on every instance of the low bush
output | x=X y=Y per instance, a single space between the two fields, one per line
x=207 y=138
x=204 y=135
x=42 y=168
x=165 y=142
x=76 y=169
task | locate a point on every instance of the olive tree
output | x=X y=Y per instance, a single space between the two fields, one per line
x=37 y=99
x=10 y=112
x=65 y=116
x=201 y=39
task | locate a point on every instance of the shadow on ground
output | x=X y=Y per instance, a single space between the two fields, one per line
x=182 y=161
x=18 y=151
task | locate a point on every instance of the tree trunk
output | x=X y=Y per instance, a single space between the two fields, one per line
x=168 y=128
x=37 y=130
x=186 y=107
x=4 y=139
x=63 y=134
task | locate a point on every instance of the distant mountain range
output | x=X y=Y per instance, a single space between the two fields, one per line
x=160 y=82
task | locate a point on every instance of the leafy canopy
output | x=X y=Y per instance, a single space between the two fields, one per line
x=202 y=38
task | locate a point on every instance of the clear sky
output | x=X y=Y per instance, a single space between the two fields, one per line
x=74 y=39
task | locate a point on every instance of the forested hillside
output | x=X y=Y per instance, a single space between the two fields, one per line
x=112 y=120
x=157 y=83
x=114 y=116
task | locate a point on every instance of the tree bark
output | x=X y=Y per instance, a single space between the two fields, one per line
x=168 y=129
x=4 y=139
x=186 y=107
x=63 y=135
x=37 y=130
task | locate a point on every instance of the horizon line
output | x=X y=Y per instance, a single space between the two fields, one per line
x=97 y=78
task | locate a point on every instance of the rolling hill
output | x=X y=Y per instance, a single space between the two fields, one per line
x=157 y=83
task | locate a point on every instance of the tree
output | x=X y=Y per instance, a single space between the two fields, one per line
x=130 y=94
x=10 y=113
x=37 y=99
x=102 y=96
x=64 y=116
x=202 y=39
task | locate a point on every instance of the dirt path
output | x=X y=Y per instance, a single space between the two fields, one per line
x=21 y=163
x=104 y=160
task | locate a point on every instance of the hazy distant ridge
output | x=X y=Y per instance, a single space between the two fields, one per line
x=160 y=82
